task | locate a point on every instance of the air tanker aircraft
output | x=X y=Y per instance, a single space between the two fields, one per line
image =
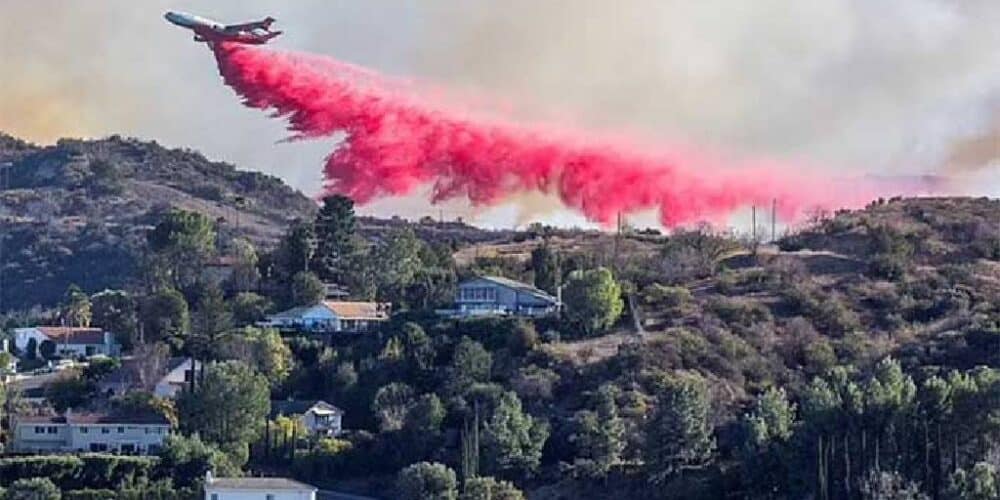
x=207 y=30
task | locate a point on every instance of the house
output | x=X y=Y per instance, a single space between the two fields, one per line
x=137 y=433
x=256 y=488
x=134 y=374
x=319 y=417
x=331 y=317
x=69 y=341
x=497 y=296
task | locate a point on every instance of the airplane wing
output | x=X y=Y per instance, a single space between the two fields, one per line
x=264 y=24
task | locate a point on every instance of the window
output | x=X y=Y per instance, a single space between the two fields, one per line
x=269 y=496
x=39 y=429
x=105 y=430
x=97 y=447
x=53 y=429
x=84 y=430
x=121 y=430
x=215 y=496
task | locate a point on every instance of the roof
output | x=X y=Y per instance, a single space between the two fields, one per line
x=257 y=483
x=72 y=335
x=294 y=312
x=520 y=287
x=358 y=310
x=299 y=407
x=77 y=418
x=128 y=372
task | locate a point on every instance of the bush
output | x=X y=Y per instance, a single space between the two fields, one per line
x=73 y=472
x=36 y=488
x=427 y=481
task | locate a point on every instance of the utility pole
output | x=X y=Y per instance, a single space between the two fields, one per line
x=753 y=224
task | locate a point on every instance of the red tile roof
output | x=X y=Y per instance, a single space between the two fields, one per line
x=95 y=418
x=359 y=310
x=73 y=335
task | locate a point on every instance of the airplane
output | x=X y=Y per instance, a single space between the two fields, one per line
x=207 y=30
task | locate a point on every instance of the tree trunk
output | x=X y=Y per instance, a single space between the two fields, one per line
x=847 y=466
x=937 y=462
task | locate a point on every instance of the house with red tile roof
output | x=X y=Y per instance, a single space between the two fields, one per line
x=69 y=340
x=134 y=433
x=331 y=317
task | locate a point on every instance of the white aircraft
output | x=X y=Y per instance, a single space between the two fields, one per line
x=207 y=30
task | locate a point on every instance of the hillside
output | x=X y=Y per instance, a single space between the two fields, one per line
x=78 y=211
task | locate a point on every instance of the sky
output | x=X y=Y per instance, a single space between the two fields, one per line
x=862 y=87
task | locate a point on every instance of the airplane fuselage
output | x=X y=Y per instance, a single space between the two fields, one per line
x=209 y=30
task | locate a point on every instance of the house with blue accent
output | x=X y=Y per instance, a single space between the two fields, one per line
x=499 y=296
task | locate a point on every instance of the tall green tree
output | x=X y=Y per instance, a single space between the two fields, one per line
x=77 y=308
x=513 y=439
x=335 y=228
x=115 y=311
x=212 y=318
x=471 y=363
x=391 y=405
x=488 y=488
x=305 y=289
x=426 y=481
x=593 y=300
x=679 y=436
x=228 y=407
x=766 y=431
x=165 y=316
x=545 y=264
x=262 y=348
x=599 y=436
x=398 y=263
x=180 y=243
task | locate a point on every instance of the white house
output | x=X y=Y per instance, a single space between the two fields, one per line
x=256 y=488
x=319 y=417
x=498 y=296
x=69 y=341
x=93 y=432
x=331 y=317
x=167 y=382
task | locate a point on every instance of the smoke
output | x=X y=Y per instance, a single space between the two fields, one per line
x=399 y=136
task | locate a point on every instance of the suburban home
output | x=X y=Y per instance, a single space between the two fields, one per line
x=497 y=296
x=331 y=317
x=256 y=488
x=89 y=432
x=69 y=341
x=135 y=374
x=319 y=417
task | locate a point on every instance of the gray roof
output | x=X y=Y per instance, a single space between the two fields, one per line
x=520 y=287
x=258 y=483
x=299 y=407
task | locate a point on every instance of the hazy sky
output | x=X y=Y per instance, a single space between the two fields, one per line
x=867 y=86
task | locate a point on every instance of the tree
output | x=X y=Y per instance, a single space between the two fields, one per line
x=180 y=243
x=165 y=316
x=187 y=458
x=391 y=404
x=487 y=488
x=297 y=248
x=31 y=349
x=545 y=265
x=114 y=311
x=397 y=262
x=262 y=348
x=228 y=407
x=306 y=290
x=427 y=481
x=68 y=392
x=889 y=486
x=249 y=308
x=35 y=488
x=766 y=430
x=211 y=320
x=471 y=363
x=76 y=308
x=245 y=273
x=981 y=483
x=513 y=439
x=888 y=394
x=47 y=349
x=599 y=437
x=679 y=435
x=335 y=227
x=422 y=426
x=593 y=300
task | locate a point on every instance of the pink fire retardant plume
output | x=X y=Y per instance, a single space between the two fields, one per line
x=396 y=139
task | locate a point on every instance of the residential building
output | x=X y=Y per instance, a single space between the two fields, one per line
x=319 y=417
x=256 y=488
x=89 y=432
x=497 y=296
x=138 y=375
x=331 y=317
x=69 y=341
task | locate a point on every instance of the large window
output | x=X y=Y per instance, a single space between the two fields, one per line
x=39 y=429
x=477 y=294
x=53 y=430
